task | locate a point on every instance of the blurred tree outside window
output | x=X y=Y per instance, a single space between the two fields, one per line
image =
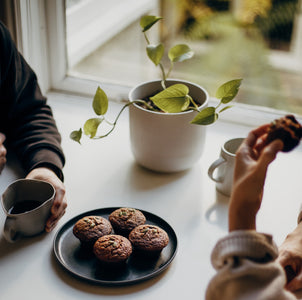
x=235 y=39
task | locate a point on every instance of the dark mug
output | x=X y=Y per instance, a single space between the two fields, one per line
x=27 y=204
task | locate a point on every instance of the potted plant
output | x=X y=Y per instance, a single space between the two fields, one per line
x=163 y=114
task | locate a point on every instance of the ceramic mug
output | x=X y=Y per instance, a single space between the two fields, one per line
x=27 y=204
x=225 y=166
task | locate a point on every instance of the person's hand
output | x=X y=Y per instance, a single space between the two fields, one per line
x=2 y=152
x=252 y=160
x=290 y=257
x=60 y=203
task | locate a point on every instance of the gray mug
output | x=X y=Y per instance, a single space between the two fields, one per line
x=225 y=166
x=27 y=204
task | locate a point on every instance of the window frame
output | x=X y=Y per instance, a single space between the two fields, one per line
x=59 y=80
x=47 y=18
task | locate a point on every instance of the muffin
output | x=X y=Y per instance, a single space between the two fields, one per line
x=124 y=219
x=148 y=239
x=88 y=229
x=288 y=129
x=112 y=248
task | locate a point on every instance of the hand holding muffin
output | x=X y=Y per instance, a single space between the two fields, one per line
x=287 y=129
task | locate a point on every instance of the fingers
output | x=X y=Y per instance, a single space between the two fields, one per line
x=2 y=138
x=295 y=284
x=261 y=130
x=254 y=137
x=3 y=152
x=292 y=265
x=284 y=258
x=290 y=273
x=53 y=220
x=2 y=163
x=269 y=153
x=60 y=203
x=255 y=144
x=57 y=211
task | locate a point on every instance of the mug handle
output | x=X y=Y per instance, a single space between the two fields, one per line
x=212 y=168
x=9 y=231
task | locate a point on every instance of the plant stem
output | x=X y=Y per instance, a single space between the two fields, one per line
x=146 y=38
x=193 y=108
x=160 y=65
x=143 y=102
x=170 y=69
x=193 y=102
x=218 y=105
x=114 y=123
x=119 y=114
x=164 y=76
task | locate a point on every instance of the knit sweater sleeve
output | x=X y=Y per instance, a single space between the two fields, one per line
x=246 y=266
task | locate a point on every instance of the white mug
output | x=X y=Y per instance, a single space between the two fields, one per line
x=225 y=166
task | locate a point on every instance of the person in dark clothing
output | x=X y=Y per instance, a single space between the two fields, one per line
x=27 y=126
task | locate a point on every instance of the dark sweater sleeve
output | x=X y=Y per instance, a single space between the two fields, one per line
x=27 y=120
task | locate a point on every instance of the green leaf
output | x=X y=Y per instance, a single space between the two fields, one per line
x=100 y=102
x=228 y=90
x=173 y=99
x=155 y=53
x=91 y=126
x=76 y=135
x=147 y=22
x=205 y=117
x=180 y=53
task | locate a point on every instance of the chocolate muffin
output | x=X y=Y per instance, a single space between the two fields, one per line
x=124 y=219
x=88 y=229
x=288 y=129
x=148 y=238
x=112 y=249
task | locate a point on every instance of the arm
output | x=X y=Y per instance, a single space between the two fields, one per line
x=28 y=123
x=252 y=161
x=26 y=119
x=246 y=266
x=245 y=260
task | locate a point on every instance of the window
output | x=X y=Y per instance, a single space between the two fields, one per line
x=99 y=42
x=105 y=48
x=99 y=31
x=259 y=41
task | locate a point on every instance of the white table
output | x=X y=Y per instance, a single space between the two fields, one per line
x=103 y=174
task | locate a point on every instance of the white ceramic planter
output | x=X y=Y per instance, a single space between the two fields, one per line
x=165 y=142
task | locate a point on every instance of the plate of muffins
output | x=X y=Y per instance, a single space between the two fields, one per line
x=115 y=246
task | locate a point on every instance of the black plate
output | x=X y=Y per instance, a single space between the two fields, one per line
x=84 y=265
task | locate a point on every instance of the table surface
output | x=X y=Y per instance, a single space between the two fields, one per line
x=103 y=173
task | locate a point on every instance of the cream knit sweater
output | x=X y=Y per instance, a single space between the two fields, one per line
x=246 y=266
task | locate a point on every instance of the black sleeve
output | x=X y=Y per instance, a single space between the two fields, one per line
x=25 y=117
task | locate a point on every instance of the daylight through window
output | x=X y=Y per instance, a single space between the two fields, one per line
x=259 y=41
